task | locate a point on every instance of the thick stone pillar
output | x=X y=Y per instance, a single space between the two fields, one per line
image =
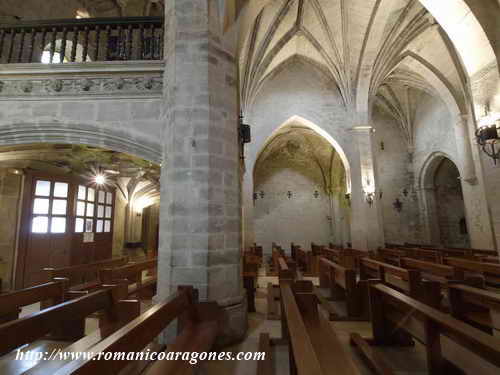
x=200 y=208
x=477 y=210
x=366 y=225
x=465 y=150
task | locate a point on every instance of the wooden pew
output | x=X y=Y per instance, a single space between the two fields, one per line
x=199 y=325
x=131 y=274
x=84 y=276
x=251 y=265
x=47 y=294
x=265 y=367
x=307 y=262
x=343 y=286
x=488 y=272
x=433 y=271
x=313 y=344
x=391 y=256
x=66 y=320
x=408 y=281
x=287 y=270
x=343 y=257
x=478 y=307
x=397 y=318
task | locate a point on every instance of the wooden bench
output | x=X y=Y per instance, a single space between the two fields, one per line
x=46 y=294
x=287 y=270
x=408 y=281
x=397 y=319
x=307 y=262
x=66 y=320
x=391 y=256
x=131 y=274
x=343 y=285
x=251 y=265
x=478 y=307
x=343 y=257
x=84 y=276
x=265 y=367
x=313 y=344
x=488 y=272
x=199 y=324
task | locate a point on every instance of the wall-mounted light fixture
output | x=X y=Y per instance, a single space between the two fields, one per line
x=370 y=197
x=487 y=136
x=255 y=196
x=405 y=192
x=382 y=146
x=398 y=205
x=380 y=194
x=289 y=194
x=244 y=134
x=262 y=194
x=316 y=194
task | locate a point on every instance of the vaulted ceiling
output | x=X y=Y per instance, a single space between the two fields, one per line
x=300 y=147
x=377 y=51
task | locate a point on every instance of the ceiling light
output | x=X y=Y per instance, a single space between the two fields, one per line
x=100 y=179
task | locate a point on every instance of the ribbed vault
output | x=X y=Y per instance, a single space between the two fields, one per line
x=374 y=50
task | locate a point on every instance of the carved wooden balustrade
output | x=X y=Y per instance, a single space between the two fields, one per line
x=82 y=40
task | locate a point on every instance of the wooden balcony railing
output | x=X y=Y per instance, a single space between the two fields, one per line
x=82 y=40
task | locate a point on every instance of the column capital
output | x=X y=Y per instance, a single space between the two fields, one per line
x=462 y=119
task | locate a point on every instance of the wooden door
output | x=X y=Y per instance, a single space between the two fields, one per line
x=48 y=228
x=65 y=221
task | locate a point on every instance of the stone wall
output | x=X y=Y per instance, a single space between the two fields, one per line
x=396 y=181
x=10 y=193
x=112 y=105
x=300 y=218
x=450 y=206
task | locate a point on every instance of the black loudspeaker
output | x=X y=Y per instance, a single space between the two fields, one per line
x=245 y=135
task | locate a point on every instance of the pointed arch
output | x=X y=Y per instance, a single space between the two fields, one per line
x=321 y=132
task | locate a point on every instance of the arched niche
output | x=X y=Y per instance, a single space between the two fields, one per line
x=299 y=187
x=443 y=202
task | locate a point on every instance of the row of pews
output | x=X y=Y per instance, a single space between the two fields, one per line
x=110 y=291
x=448 y=300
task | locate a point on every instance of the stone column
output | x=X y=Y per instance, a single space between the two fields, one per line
x=200 y=208
x=248 y=210
x=366 y=225
x=475 y=190
x=465 y=150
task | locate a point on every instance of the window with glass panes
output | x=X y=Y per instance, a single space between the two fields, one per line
x=50 y=207
x=94 y=210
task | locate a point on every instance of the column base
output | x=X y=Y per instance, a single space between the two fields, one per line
x=234 y=324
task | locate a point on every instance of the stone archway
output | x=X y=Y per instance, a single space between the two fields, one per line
x=444 y=212
x=308 y=185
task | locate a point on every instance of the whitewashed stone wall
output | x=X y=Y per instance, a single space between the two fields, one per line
x=111 y=105
x=301 y=218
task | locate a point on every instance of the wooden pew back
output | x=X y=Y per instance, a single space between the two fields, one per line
x=395 y=315
x=48 y=294
x=314 y=346
x=200 y=323
x=489 y=271
x=478 y=307
x=66 y=318
x=132 y=274
x=83 y=275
